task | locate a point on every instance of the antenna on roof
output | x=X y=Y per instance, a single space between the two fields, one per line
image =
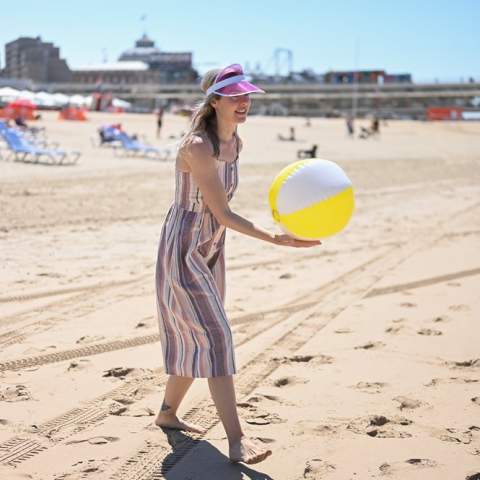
x=143 y=19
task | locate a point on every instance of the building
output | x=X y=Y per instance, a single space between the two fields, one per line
x=124 y=73
x=171 y=66
x=30 y=58
x=142 y=64
x=365 y=77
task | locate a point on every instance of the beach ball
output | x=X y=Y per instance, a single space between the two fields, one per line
x=311 y=199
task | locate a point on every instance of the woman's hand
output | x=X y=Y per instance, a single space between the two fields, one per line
x=289 y=241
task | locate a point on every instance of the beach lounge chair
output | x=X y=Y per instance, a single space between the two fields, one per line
x=131 y=146
x=309 y=153
x=108 y=135
x=26 y=151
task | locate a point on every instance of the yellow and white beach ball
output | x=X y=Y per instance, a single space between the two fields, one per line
x=311 y=199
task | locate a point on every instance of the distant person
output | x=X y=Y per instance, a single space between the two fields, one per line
x=291 y=138
x=159 y=120
x=350 y=126
x=372 y=131
x=20 y=122
x=308 y=123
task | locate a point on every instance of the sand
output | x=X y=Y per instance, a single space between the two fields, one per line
x=357 y=359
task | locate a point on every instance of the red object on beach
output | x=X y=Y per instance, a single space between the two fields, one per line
x=22 y=103
x=19 y=108
x=444 y=113
x=73 y=113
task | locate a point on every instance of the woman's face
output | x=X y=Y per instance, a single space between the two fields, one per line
x=232 y=109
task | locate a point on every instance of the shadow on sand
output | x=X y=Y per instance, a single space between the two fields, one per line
x=207 y=462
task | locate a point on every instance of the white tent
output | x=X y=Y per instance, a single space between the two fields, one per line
x=44 y=99
x=117 y=102
x=26 y=95
x=60 y=99
x=80 y=100
x=8 y=94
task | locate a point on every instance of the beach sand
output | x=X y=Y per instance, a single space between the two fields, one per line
x=357 y=359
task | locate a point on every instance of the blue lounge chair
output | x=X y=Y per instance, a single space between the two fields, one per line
x=132 y=146
x=26 y=151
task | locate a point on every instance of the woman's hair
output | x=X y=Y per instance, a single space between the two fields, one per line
x=204 y=118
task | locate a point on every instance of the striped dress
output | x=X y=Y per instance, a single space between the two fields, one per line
x=195 y=333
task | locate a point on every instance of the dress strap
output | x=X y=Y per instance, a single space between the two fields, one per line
x=237 y=144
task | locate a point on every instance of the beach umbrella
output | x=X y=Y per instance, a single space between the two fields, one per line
x=22 y=103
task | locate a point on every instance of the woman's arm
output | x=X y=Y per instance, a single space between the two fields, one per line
x=203 y=167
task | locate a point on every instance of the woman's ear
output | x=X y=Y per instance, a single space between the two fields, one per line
x=213 y=102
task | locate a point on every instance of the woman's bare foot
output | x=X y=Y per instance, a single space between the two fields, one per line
x=247 y=451
x=172 y=421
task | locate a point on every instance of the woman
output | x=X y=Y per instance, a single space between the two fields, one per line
x=190 y=274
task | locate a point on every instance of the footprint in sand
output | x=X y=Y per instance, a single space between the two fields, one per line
x=429 y=331
x=17 y=393
x=370 y=346
x=379 y=426
x=399 y=467
x=257 y=416
x=48 y=347
x=80 y=364
x=407 y=403
x=394 y=329
x=476 y=400
x=311 y=428
x=284 y=381
x=295 y=358
x=264 y=439
x=408 y=304
x=343 y=330
x=100 y=440
x=142 y=324
x=85 y=339
x=459 y=308
x=435 y=381
x=316 y=467
x=122 y=372
x=137 y=411
x=317 y=359
x=369 y=387
x=457 y=436
x=258 y=397
x=473 y=363
x=440 y=319
x=473 y=476
x=286 y=276
x=81 y=469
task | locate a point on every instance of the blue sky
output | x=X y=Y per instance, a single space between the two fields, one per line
x=428 y=38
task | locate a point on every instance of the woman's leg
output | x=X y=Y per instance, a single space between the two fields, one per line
x=241 y=448
x=175 y=390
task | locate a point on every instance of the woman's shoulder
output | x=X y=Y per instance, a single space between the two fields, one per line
x=197 y=147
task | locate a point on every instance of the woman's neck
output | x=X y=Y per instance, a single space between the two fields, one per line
x=225 y=131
